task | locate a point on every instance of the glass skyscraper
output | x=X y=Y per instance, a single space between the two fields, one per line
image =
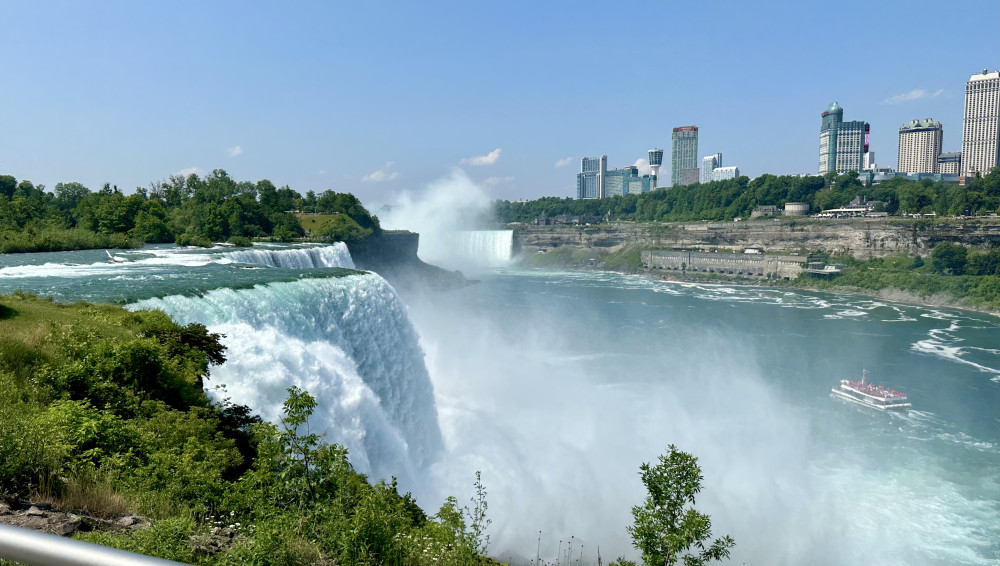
x=590 y=179
x=684 y=154
x=842 y=145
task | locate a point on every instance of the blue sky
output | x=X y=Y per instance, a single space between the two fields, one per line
x=376 y=98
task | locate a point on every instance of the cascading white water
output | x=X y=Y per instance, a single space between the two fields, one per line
x=490 y=248
x=335 y=255
x=345 y=340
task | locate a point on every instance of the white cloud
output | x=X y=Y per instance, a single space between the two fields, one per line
x=234 y=151
x=494 y=181
x=488 y=159
x=380 y=175
x=189 y=171
x=564 y=162
x=915 y=94
x=643 y=164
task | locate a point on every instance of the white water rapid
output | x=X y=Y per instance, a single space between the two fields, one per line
x=348 y=342
x=335 y=255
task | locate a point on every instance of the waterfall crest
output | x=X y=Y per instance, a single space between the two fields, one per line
x=334 y=255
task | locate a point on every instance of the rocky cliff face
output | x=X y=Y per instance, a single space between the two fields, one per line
x=861 y=237
x=393 y=255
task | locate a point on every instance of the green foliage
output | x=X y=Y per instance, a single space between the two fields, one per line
x=102 y=410
x=240 y=241
x=342 y=228
x=193 y=239
x=629 y=257
x=734 y=198
x=667 y=528
x=191 y=211
x=168 y=539
x=948 y=258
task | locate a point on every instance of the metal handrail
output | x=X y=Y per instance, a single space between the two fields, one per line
x=42 y=549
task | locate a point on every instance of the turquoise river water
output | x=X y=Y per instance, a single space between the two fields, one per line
x=558 y=385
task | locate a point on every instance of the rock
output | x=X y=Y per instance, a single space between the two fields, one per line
x=69 y=525
x=34 y=511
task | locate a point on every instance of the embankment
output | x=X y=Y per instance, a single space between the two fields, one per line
x=862 y=238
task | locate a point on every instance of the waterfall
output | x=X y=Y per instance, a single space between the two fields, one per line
x=485 y=247
x=335 y=255
x=347 y=341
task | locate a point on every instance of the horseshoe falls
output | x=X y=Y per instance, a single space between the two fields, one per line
x=468 y=248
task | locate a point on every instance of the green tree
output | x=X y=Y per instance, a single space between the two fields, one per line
x=667 y=527
x=949 y=258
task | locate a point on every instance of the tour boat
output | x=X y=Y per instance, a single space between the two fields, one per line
x=871 y=395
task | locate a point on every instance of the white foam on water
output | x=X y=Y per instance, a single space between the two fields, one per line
x=345 y=340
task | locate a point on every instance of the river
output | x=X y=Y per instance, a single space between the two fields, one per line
x=558 y=385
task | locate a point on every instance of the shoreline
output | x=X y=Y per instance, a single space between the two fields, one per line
x=889 y=294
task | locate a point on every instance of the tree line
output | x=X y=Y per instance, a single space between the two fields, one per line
x=188 y=210
x=737 y=198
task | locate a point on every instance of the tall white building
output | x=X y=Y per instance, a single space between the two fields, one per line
x=723 y=173
x=981 y=125
x=590 y=179
x=709 y=164
x=870 y=161
x=919 y=146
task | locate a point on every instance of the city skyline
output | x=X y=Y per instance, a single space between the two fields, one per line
x=131 y=94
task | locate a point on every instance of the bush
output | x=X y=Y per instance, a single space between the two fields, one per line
x=189 y=239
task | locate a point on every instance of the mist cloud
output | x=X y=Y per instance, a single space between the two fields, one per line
x=643 y=164
x=444 y=206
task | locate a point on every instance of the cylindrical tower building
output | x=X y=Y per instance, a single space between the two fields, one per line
x=655 y=160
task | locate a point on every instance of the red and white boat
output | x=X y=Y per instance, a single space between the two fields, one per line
x=870 y=395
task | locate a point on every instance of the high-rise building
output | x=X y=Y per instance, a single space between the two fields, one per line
x=684 y=153
x=627 y=181
x=708 y=164
x=950 y=163
x=590 y=179
x=981 y=125
x=842 y=145
x=919 y=146
x=870 y=164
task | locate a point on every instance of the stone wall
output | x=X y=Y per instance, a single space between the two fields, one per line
x=750 y=265
x=862 y=238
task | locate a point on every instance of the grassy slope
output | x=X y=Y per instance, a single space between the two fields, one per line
x=313 y=222
x=102 y=412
